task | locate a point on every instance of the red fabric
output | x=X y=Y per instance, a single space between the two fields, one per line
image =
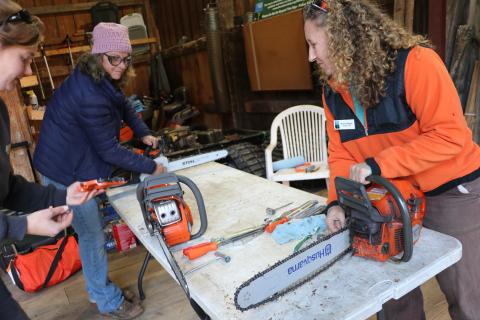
x=32 y=268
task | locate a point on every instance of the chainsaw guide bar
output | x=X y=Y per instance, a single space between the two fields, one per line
x=290 y=273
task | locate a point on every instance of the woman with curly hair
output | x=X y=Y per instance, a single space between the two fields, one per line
x=392 y=110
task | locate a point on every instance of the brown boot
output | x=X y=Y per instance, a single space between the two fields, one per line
x=127 y=294
x=126 y=311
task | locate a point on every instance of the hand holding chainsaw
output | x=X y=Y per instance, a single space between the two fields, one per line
x=335 y=218
x=336 y=215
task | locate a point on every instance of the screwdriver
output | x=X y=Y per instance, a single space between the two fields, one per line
x=201 y=249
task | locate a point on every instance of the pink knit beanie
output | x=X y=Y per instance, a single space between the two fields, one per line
x=109 y=37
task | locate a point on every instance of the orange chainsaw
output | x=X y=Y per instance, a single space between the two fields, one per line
x=168 y=217
x=385 y=218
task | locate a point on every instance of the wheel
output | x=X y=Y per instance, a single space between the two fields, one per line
x=247 y=157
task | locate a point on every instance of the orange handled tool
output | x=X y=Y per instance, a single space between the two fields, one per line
x=98 y=184
x=199 y=250
x=272 y=225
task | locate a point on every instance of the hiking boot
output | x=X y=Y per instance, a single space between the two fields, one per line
x=127 y=295
x=126 y=311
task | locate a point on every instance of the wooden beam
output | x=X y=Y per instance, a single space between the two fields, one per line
x=437 y=10
x=78 y=7
x=186 y=48
x=399 y=12
x=79 y=49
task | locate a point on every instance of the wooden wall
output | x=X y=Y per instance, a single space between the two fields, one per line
x=73 y=18
x=181 y=21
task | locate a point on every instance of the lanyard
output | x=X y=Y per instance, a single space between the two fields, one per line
x=359 y=110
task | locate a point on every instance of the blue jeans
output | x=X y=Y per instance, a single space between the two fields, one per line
x=87 y=222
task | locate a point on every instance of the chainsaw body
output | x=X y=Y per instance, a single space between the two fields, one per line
x=164 y=209
x=385 y=219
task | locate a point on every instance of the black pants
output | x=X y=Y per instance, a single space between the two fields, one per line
x=9 y=308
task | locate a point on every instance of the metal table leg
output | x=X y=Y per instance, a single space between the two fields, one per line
x=141 y=274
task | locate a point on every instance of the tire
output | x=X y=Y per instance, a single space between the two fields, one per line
x=247 y=157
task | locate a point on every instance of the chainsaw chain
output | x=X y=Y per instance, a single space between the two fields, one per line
x=294 y=285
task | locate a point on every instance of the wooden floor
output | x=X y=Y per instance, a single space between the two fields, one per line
x=165 y=299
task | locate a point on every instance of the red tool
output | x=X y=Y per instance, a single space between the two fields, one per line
x=385 y=218
x=99 y=184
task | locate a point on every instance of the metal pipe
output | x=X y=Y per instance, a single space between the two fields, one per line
x=215 y=58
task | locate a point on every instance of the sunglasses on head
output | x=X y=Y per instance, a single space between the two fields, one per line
x=21 y=16
x=116 y=60
x=318 y=5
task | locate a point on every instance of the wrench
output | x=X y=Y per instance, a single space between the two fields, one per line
x=218 y=255
x=271 y=211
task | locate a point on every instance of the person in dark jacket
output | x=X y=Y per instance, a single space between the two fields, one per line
x=20 y=34
x=79 y=140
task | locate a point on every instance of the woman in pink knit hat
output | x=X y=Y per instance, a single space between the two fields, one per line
x=79 y=140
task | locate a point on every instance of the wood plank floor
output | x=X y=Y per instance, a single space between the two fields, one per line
x=165 y=299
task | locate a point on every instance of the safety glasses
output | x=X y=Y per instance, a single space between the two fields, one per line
x=116 y=60
x=318 y=5
x=21 y=16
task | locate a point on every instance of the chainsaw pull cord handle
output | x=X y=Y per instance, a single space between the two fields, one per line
x=200 y=205
x=402 y=206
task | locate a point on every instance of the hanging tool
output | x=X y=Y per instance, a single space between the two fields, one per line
x=68 y=41
x=42 y=92
x=42 y=50
x=384 y=218
x=271 y=211
x=218 y=257
x=168 y=217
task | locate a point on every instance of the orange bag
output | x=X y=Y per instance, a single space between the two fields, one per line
x=46 y=265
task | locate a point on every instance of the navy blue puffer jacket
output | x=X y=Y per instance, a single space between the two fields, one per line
x=79 y=136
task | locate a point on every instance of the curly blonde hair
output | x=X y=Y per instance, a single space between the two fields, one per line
x=363 y=43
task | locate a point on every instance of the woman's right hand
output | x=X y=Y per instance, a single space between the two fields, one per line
x=335 y=218
x=159 y=169
x=49 y=222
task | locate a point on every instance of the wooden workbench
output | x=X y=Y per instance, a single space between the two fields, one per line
x=353 y=288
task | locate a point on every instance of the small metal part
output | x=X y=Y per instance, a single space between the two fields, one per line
x=223 y=256
x=271 y=211
x=218 y=257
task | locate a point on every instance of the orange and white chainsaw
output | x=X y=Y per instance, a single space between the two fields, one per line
x=384 y=220
x=168 y=217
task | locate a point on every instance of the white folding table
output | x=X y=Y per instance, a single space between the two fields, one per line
x=353 y=288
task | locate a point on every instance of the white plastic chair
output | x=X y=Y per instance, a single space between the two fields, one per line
x=302 y=130
x=136 y=30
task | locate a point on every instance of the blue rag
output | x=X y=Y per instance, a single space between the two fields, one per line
x=298 y=229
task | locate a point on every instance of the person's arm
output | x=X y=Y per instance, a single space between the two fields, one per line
x=29 y=197
x=12 y=227
x=100 y=128
x=339 y=159
x=433 y=98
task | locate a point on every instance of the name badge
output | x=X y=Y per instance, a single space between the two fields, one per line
x=344 y=124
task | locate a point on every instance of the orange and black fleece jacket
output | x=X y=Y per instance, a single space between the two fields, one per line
x=425 y=139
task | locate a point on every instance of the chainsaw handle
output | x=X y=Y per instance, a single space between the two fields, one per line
x=199 y=250
x=402 y=206
x=272 y=225
x=200 y=205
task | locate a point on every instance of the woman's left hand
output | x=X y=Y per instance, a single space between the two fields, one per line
x=359 y=171
x=150 y=141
